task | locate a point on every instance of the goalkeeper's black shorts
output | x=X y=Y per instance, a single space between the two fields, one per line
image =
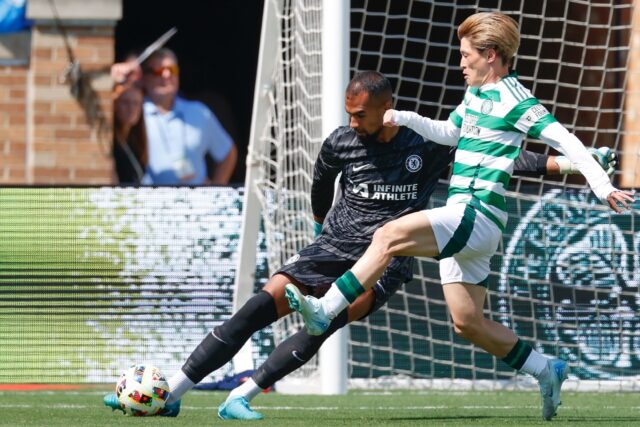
x=316 y=268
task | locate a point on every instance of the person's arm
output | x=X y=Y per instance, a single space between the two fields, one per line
x=219 y=145
x=225 y=168
x=532 y=118
x=605 y=157
x=529 y=163
x=444 y=132
x=535 y=164
x=326 y=168
x=126 y=72
x=558 y=137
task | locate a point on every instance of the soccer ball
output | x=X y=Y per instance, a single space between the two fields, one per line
x=142 y=390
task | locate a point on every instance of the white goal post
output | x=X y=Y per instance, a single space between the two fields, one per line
x=566 y=277
x=327 y=70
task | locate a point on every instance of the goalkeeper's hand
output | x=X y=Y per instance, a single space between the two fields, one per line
x=605 y=157
x=317 y=228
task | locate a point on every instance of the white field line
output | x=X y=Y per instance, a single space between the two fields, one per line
x=320 y=408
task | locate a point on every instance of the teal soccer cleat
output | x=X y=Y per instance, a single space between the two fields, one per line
x=169 y=410
x=111 y=400
x=237 y=408
x=315 y=319
x=551 y=379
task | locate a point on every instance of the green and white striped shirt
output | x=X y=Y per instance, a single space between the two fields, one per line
x=488 y=128
x=493 y=122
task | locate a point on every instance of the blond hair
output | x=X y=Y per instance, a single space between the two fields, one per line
x=492 y=30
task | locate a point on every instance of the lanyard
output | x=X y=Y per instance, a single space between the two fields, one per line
x=163 y=125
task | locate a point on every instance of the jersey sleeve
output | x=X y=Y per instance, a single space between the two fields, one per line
x=530 y=164
x=558 y=137
x=328 y=165
x=444 y=132
x=529 y=117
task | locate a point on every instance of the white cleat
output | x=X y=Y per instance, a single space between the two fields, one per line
x=315 y=319
x=551 y=379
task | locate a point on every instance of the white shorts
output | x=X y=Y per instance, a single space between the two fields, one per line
x=466 y=240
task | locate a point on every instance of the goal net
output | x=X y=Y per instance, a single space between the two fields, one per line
x=566 y=277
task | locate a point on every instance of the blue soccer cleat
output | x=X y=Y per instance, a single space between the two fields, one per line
x=111 y=400
x=237 y=408
x=551 y=379
x=170 y=410
x=315 y=319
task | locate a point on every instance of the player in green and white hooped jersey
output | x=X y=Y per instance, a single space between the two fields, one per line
x=488 y=128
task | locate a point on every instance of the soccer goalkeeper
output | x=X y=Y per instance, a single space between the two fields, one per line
x=487 y=128
x=386 y=173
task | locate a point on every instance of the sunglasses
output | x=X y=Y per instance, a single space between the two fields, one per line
x=174 y=70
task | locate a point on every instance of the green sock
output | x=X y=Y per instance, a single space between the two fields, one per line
x=518 y=354
x=349 y=286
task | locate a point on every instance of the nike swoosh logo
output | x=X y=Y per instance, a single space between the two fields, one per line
x=218 y=338
x=295 y=354
x=359 y=168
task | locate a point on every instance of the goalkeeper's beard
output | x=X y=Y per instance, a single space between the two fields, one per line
x=371 y=138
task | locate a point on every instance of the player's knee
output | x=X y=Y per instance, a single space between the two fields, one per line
x=385 y=238
x=467 y=327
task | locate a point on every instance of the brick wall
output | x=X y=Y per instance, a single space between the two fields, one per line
x=48 y=135
x=13 y=86
x=72 y=137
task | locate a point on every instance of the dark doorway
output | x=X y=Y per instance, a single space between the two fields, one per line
x=217 y=47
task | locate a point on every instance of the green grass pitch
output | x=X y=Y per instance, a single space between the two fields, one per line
x=359 y=408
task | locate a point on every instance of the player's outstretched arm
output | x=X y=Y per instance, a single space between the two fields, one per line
x=442 y=132
x=558 y=137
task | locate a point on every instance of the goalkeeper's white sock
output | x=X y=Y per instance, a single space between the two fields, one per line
x=534 y=364
x=248 y=389
x=179 y=384
x=333 y=302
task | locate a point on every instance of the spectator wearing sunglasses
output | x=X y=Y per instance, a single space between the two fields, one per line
x=181 y=132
